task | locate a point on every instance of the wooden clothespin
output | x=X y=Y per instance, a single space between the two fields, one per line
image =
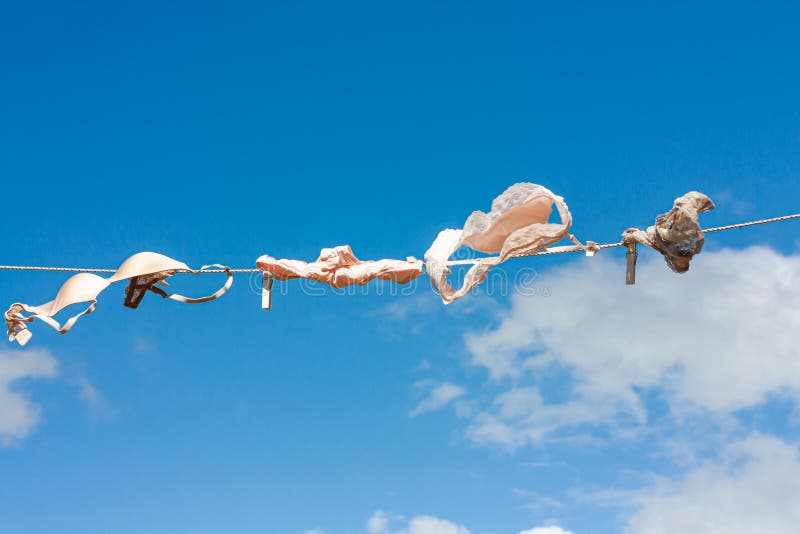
x=591 y=248
x=630 y=272
x=266 y=291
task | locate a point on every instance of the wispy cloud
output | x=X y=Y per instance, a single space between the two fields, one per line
x=18 y=415
x=438 y=396
x=726 y=201
x=423 y=310
x=424 y=365
x=73 y=372
x=533 y=500
x=87 y=392
x=550 y=529
x=142 y=345
x=422 y=304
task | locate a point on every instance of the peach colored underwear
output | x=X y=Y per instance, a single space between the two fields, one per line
x=339 y=267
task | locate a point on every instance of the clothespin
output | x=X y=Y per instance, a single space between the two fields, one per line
x=591 y=248
x=630 y=273
x=266 y=291
x=15 y=321
x=20 y=334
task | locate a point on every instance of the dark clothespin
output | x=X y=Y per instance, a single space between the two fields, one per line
x=266 y=291
x=138 y=286
x=630 y=272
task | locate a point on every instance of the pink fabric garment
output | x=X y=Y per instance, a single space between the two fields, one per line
x=142 y=270
x=339 y=267
x=517 y=225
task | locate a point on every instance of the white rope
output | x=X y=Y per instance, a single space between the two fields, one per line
x=545 y=252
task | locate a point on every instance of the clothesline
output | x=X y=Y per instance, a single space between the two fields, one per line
x=554 y=250
x=545 y=252
x=518 y=225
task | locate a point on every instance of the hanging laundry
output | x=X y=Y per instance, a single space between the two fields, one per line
x=143 y=271
x=517 y=225
x=676 y=234
x=339 y=267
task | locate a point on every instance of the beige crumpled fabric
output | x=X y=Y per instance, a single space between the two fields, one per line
x=142 y=270
x=339 y=267
x=517 y=225
x=676 y=234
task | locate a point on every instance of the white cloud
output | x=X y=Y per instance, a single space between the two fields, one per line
x=753 y=488
x=314 y=531
x=18 y=416
x=719 y=338
x=439 y=396
x=426 y=524
x=378 y=523
x=534 y=500
x=552 y=529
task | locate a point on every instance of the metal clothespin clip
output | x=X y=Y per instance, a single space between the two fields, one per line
x=630 y=272
x=266 y=291
x=17 y=329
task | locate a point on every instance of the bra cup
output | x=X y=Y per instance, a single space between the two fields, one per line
x=83 y=287
x=535 y=211
x=146 y=263
x=516 y=225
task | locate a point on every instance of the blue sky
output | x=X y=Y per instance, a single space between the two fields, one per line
x=216 y=132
